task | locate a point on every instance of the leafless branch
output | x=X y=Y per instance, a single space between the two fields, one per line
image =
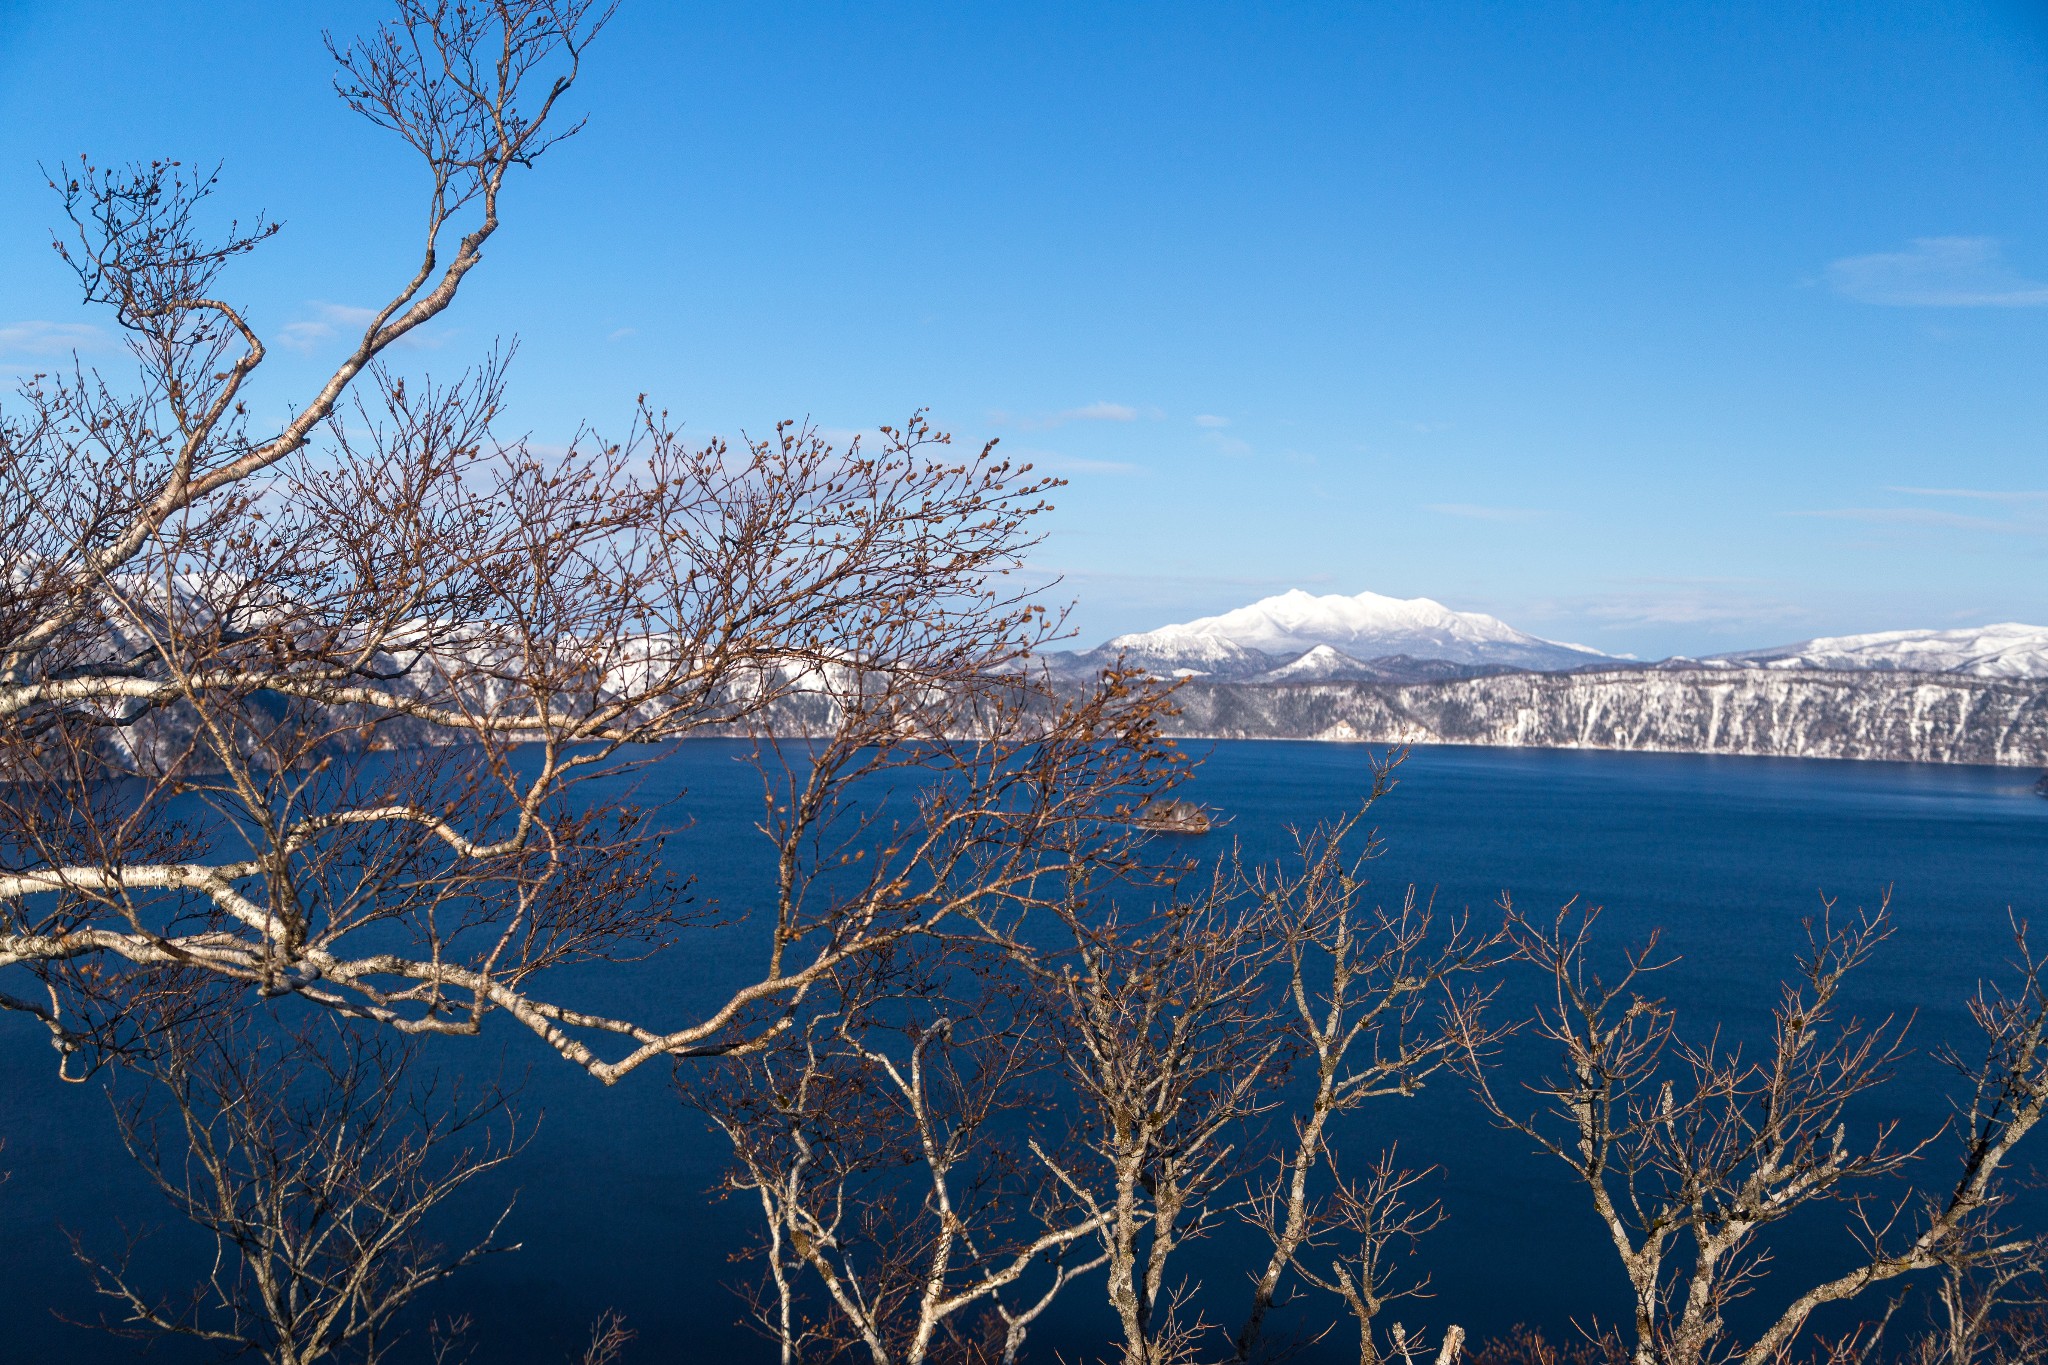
x=317 y=1164
x=322 y=710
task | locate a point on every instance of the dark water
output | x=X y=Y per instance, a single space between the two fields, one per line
x=1727 y=856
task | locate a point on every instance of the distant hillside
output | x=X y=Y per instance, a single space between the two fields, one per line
x=2008 y=650
x=1798 y=713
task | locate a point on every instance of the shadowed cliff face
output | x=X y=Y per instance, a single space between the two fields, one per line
x=1909 y=717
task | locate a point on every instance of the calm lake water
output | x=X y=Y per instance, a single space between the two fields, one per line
x=1726 y=855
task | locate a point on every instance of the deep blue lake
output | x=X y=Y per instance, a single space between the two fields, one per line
x=1725 y=855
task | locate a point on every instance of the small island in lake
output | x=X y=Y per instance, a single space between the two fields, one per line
x=1173 y=817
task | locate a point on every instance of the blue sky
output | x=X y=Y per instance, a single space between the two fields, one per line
x=1665 y=328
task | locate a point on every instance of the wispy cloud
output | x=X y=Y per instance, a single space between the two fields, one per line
x=330 y=320
x=1925 y=516
x=1983 y=512
x=622 y=333
x=1099 y=411
x=1189 y=580
x=2021 y=495
x=1474 y=512
x=1714 y=612
x=1693 y=580
x=1053 y=462
x=1210 y=419
x=36 y=337
x=1229 y=445
x=327 y=321
x=1069 y=464
x=1118 y=601
x=842 y=437
x=1937 y=272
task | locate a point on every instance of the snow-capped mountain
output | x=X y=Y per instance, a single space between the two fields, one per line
x=2009 y=650
x=1388 y=671
x=1361 y=628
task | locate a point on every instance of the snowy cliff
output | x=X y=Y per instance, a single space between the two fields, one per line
x=1806 y=713
x=1394 y=670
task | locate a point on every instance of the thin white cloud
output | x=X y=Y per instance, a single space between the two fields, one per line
x=1927 y=517
x=1054 y=462
x=843 y=437
x=331 y=320
x=303 y=336
x=622 y=333
x=1998 y=512
x=1714 y=612
x=1694 y=580
x=36 y=337
x=1937 y=272
x=1229 y=445
x=1100 y=411
x=1210 y=419
x=1068 y=464
x=1474 y=512
x=1168 y=596
x=327 y=321
x=2018 y=495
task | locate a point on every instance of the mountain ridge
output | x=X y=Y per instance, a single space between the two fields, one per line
x=1296 y=636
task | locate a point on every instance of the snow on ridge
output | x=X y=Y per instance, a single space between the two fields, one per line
x=2006 y=650
x=1324 y=661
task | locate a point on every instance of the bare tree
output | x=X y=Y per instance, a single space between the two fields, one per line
x=1376 y=1213
x=1524 y=1345
x=316 y=709
x=1988 y=1310
x=317 y=1165
x=886 y=1143
x=1689 y=1151
x=1381 y=1001
x=609 y=1337
x=1185 y=1032
x=1169 y=1035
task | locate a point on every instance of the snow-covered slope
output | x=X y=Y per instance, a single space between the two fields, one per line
x=2009 y=650
x=1203 y=657
x=1364 y=627
x=1324 y=664
x=1319 y=665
